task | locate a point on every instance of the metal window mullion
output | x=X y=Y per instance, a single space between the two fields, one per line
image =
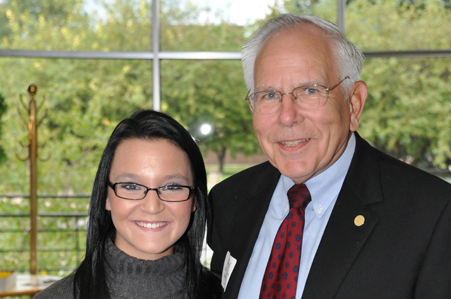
x=156 y=57
x=142 y=55
x=341 y=9
x=199 y=55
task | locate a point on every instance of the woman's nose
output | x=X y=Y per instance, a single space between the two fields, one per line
x=151 y=203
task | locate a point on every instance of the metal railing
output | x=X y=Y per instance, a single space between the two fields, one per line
x=68 y=227
x=58 y=254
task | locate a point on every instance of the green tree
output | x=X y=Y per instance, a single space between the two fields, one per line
x=408 y=110
x=21 y=22
x=407 y=113
x=85 y=99
x=197 y=92
x=211 y=92
x=325 y=9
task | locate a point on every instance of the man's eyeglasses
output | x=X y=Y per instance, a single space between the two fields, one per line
x=133 y=191
x=307 y=97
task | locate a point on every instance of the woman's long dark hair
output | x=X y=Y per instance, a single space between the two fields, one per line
x=90 y=277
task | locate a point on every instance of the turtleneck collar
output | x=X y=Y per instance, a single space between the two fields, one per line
x=129 y=277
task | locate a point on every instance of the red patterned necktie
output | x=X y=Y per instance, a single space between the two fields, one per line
x=281 y=275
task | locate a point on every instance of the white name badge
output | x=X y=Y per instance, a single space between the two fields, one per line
x=229 y=264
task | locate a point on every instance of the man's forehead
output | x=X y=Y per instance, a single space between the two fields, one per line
x=299 y=30
x=308 y=55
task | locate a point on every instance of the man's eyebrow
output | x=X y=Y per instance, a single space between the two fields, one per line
x=303 y=84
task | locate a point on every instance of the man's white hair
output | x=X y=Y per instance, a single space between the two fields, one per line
x=350 y=58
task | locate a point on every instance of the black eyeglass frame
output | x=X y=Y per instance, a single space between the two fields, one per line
x=251 y=102
x=157 y=190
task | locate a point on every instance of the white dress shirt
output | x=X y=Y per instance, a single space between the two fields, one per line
x=324 y=189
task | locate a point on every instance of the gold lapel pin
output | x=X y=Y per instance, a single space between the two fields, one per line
x=359 y=220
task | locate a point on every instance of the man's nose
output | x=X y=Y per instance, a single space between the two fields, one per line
x=289 y=111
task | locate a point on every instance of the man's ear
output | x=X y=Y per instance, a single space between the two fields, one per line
x=357 y=99
x=248 y=102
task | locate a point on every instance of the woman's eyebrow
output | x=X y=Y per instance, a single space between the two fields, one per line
x=127 y=176
x=178 y=176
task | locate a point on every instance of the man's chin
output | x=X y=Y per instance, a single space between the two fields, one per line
x=296 y=172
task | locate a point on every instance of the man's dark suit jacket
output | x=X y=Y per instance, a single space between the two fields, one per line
x=403 y=250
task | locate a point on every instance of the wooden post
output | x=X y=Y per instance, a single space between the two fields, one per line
x=33 y=154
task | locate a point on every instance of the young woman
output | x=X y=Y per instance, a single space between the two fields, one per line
x=146 y=219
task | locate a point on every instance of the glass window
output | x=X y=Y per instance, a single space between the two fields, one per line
x=210 y=92
x=84 y=101
x=407 y=113
x=76 y=25
x=408 y=110
x=209 y=25
x=398 y=25
x=326 y=9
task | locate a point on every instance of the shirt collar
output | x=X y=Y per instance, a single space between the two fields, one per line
x=325 y=187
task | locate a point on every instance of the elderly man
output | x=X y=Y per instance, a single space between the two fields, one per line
x=355 y=223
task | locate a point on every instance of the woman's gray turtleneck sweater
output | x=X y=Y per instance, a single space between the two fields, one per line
x=132 y=278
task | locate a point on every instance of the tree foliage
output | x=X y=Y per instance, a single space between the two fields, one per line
x=2 y=111
x=407 y=114
x=197 y=92
x=408 y=110
x=87 y=98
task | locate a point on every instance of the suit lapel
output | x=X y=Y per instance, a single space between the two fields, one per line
x=344 y=237
x=248 y=220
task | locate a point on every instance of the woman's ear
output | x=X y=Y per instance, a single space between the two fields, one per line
x=194 y=208
x=108 y=204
